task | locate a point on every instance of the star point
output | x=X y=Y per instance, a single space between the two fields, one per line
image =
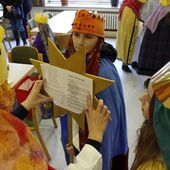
x=76 y=63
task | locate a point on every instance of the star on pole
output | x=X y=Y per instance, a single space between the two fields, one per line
x=76 y=63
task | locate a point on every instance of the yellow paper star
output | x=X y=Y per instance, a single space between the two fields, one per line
x=76 y=63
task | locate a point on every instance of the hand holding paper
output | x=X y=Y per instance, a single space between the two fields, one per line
x=69 y=90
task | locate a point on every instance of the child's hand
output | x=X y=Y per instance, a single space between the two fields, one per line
x=97 y=119
x=35 y=97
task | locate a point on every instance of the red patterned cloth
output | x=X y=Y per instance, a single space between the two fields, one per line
x=133 y=4
x=19 y=147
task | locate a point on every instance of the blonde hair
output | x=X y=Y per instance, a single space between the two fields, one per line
x=6 y=97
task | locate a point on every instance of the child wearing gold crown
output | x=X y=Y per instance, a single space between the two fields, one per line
x=19 y=149
x=88 y=31
x=41 y=40
x=153 y=147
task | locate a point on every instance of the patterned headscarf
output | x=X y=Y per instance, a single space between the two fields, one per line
x=92 y=65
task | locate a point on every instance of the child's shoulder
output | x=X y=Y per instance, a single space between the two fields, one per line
x=107 y=69
x=108 y=51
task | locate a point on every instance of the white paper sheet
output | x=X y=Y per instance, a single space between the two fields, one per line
x=26 y=85
x=69 y=90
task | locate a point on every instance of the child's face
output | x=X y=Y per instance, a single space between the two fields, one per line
x=87 y=40
x=145 y=100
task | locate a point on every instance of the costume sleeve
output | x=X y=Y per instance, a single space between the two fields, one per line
x=20 y=112
x=94 y=143
x=115 y=137
x=88 y=159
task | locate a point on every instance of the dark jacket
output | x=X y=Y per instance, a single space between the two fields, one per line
x=15 y=3
x=27 y=5
x=108 y=51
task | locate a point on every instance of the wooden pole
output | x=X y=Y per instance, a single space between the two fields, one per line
x=70 y=133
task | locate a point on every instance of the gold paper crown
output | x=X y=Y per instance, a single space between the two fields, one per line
x=41 y=18
x=164 y=2
x=88 y=23
x=3 y=64
x=160 y=85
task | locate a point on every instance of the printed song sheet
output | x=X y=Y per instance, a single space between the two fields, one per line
x=69 y=90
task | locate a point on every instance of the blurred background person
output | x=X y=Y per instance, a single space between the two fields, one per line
x=154 y=51
x=45 y=32
x=128 y=26
x=146 y=10
x=13 y=10
x=27 y=7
